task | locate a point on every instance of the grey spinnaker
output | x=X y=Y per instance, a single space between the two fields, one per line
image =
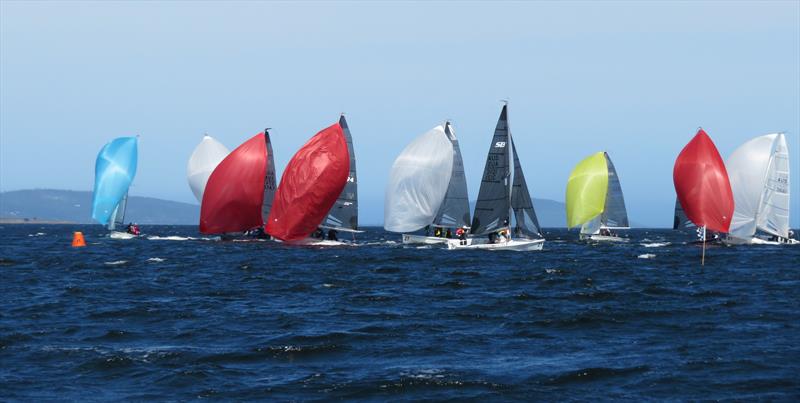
x=118 y=219
x=454 y=211
x=527 y=225
x=614 y=215
x=344 y=213
x=493 y=205
x=269 y=180
x=681 y=221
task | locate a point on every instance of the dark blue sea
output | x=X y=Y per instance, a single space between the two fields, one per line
x=180 y=317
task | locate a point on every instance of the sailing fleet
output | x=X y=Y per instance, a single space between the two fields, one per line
x=742 y=201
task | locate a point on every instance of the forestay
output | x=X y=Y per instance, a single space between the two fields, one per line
x=759 y=175
x=418 y=182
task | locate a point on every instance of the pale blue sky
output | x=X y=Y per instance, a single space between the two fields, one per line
x=633 y=78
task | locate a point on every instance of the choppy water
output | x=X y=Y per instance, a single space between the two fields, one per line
x=180 y=319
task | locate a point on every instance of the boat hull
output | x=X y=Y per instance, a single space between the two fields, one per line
x=732 y=240
x=602 y=238
x=425 y=240
x=517 y=245
x=121 y=235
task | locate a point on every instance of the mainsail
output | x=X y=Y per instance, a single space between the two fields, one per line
x=115 y=169
x=681 y=221
x=235 y=195
x=270 y=183
x=418 y=182
x=454 y=211
x=759 y=175
x=527 y=224
x=614 y=215
x=701 y=182
x=310 y=185
x=493 y=205
x=205 y=157
x=118 y=218
x=344 y=213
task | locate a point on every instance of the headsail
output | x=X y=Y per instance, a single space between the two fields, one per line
x=759 y=175
x=587 y=189
x=614 y=214
x=418 y=182
x=493 y=205
x=344 y=213
x=454 y=211
x=115 y=169
x=205 y=157
x=526 y=222
x=310 y=185
x=234 y=195
x=701 y=182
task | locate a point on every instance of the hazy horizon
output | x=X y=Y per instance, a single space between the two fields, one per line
x=633 y=79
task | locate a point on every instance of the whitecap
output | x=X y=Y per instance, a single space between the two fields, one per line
x=37 y=234
x=155 y=259
x=655 y=244
x=169 y=238
x=116 y=262
x=647 y=256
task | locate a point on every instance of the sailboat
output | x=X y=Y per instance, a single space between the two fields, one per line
x=114 y=171
x=595 y=200
x=205 y=158
x=503 y=191
x=759 y=175
x=427 y=187
x=343 y=216
x=310 y=187
x=239 y=193
x=702 y=186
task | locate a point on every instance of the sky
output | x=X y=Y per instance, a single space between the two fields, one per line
x=635 y=79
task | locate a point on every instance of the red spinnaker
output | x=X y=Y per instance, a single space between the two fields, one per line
x=702 y=184
x=235 y=190
x=310 y=185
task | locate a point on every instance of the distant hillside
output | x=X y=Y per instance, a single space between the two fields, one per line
x=75 y=206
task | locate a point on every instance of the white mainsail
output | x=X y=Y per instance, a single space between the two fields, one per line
x=206 y=156
x=418 y=182
x=759 y=175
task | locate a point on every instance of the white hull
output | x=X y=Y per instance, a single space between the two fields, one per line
x=602 y=238
x=732 y=240
x=316 y=242
x=425 y=240
x=121 y=235
x=518 y=245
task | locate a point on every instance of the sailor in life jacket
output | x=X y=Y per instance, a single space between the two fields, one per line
x=461 y=233
x=437 y=232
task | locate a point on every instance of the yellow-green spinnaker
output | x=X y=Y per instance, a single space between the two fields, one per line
x=586 y=190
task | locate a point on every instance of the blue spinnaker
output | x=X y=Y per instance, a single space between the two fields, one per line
x=113 y=174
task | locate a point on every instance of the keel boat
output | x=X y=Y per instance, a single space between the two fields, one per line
x=759 y=176
x=595 y=200
x=114 y=171
x=427 y=190
x=503 y=197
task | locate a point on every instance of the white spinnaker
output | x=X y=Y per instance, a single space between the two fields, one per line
x=206 y=156
x=759 y=175
x=418 y=182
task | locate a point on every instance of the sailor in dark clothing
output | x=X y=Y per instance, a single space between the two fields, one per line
x=332 y=235
x=448 y=234
x=318 y=234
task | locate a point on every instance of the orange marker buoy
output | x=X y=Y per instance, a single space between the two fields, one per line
x=77 y=240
